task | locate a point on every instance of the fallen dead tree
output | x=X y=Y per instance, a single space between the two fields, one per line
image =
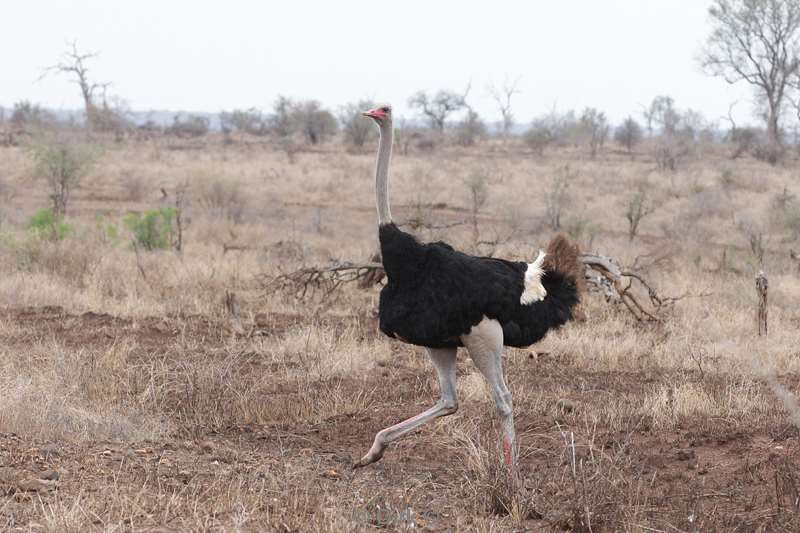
x=323 y=281
x=603 y=275
x=618 y=284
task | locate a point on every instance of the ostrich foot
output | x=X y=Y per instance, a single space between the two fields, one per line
x=373 y=456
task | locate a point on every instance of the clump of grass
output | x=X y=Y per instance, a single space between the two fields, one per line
x=46 y=223
x=495 y=489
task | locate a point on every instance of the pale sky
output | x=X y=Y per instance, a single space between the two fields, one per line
x=204 y=55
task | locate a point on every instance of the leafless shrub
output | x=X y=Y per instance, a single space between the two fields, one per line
x=711 y=202
x=355 y=127
x=470 y=129
x=314 y=121
x=628 y=134
x=553 y=129
x=221 y=198
x=189 y=126
x=250 y=121
x=539 y=136
x=133 y=184
x=557 y=195
x=7 y=193
x=306 y=117
x=743 y=141
x=728 y=180
x=784 y=213
x=29 y=117
x=669 y=153
x=594 y=125
x=769 y=153
x=756 y=238
x=62 y=162
x=477 y=184
x=638 y=206
x=425 y=144
x=290 y=148
x=280 y=121
x=582 y=230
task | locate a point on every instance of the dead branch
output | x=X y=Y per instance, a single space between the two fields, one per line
x=762 y=285
x=617 y=284
x=234 y=312
x=322 y=280
x=603 y=274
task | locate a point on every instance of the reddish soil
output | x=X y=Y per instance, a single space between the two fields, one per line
x=704 y=475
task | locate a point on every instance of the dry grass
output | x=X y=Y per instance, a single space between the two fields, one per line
x=210 y=430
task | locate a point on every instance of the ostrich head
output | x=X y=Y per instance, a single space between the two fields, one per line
x=381 y=115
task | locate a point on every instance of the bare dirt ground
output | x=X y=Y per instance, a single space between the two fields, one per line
x=702 y=475
x=130 y=402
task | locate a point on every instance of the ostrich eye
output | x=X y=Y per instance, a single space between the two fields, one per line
x=386 y=109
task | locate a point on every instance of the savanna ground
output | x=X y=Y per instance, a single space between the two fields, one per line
x=130 y=402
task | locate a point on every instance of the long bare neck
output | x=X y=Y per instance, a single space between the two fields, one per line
x=382 y=174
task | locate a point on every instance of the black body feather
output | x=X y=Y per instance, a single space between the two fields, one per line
x=435 y=294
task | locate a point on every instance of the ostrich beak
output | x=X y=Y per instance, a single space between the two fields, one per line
x=374 y=113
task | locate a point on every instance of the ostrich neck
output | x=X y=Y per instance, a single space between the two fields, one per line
x=382 y=174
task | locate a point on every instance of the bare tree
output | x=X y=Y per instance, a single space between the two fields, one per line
x=314 y=121
x=742 y=139
x=439 y=107
x=628 y=134
x=355 y=128
x=62 y=162
x=477 y=185
x=637 y=207
x=471 y=127
x=188 y=125
x=595 y=127
x=756 y=41
x=502 y=97
x=250 y=121
x=662 y=113
x=557 y=196
x=74 y=63
x=281 y=118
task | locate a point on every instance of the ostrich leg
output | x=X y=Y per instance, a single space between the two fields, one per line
x=445 y=362
x=485 y=345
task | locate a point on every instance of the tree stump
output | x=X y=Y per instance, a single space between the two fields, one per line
x=761 y=314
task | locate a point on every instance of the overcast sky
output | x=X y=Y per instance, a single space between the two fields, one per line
x=204 y=55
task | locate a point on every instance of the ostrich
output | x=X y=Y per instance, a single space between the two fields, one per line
x=443 y=299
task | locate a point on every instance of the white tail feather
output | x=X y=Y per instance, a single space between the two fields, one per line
x=534 y=290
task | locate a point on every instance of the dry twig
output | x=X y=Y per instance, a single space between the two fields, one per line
x=602 y=274
x=324 y=280
x=617 y=284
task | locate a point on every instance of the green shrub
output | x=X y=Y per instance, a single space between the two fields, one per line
x=108 y=230
x=152 y=230
x=45 y=223
x=62 y=163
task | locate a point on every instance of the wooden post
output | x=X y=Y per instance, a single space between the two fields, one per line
x=232 y=306
x=761 y=315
